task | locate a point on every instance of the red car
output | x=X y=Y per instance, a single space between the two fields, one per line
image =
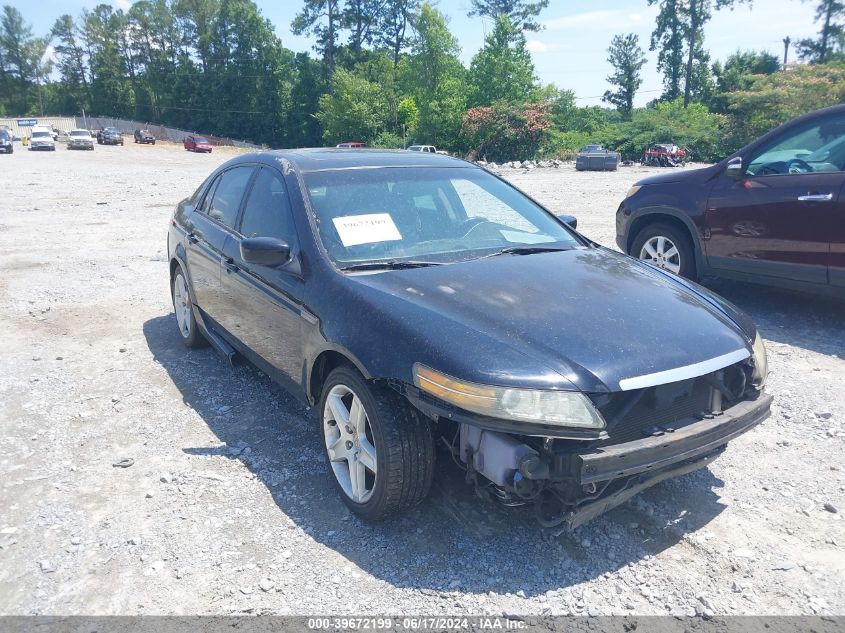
x=197 y=144
x=351 y=145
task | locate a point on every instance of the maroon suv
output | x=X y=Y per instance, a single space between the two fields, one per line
x=772 y=213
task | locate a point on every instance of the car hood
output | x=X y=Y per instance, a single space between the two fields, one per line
x=675 y=174
x=594 y=316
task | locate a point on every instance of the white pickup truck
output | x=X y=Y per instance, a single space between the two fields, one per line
x=428 y=149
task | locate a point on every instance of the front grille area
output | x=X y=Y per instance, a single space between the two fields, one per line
x=646 y=412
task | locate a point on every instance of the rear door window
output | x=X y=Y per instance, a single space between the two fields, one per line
x=226 y=200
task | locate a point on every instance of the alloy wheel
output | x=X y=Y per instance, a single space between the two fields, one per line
x=662 y=252
x=182 y=305
x=349 y=443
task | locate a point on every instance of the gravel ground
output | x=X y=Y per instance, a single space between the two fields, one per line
x=227 y=508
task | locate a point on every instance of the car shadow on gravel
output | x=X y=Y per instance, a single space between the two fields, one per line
x=812 y=322
x=453 y=541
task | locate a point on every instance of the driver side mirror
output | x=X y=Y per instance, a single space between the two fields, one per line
x=734 y=168
x=265 y=251
x=569 y=220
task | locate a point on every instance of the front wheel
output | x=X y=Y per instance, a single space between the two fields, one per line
x=184 y=306
x=379 y=451
x=666 y=247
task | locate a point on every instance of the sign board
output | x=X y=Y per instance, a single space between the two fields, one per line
x=27 y=122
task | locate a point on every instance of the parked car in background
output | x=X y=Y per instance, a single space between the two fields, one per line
x=597 y=158
x=144 y=137
x=772 y=213
x=197 y=144
x=110 y=136
x=351 y=145
x=665 y=155
x=80 y=139
x=42 y=139
x=397 y=293
x=425 y=149
x=7 y=145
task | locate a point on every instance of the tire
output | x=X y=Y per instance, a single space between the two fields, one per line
x=401 y=438
x=655 y=244
x=180 y=293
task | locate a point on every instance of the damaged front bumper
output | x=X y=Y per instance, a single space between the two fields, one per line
x=572 y=480
x=576 y=485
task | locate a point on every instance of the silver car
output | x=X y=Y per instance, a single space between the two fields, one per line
x=80 y=139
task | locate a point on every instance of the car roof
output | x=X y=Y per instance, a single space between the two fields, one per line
x=321 y=159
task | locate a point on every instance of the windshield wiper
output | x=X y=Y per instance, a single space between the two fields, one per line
x=529 y=250
x=391 y=264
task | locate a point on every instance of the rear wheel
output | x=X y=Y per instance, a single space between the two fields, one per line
x=184 y=307
x=666 y=247
x=379 y=451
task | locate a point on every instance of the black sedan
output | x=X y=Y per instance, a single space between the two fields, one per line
x=411 y=296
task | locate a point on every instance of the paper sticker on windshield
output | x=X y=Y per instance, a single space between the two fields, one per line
x=520 y=237
x=366 y=229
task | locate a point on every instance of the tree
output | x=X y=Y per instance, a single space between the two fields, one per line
x=355 y=110
x=361 y=17
x=738 y=73
x=818 y=51
x=73 y=65
x=775 y=98
x=668 y=40
x=323 y=19
x=521 y=13
x=502 y=70
x=683 y=21
x=507 y=131
x=21 y=55
x=627 y=59
x=392 y=32
x=434 y=76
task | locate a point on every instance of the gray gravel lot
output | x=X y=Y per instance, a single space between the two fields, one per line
x=227 y=508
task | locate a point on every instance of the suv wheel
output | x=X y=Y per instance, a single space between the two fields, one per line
x=666 y=247
x=379 y=451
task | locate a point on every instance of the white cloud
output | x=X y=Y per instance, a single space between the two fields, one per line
x=538 y=47
x=122 y=4
x=596 y=20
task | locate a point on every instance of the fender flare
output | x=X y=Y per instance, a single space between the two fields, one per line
x=695 y=236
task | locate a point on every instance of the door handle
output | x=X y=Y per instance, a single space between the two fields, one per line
x=231 y=266
x=193 y=239
x=816 y=197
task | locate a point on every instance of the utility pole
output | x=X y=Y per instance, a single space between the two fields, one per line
x=786 y=42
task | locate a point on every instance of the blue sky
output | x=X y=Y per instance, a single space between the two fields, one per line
x=571 y=51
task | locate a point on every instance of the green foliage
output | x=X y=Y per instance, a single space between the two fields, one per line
x=387 y=140
x=830 y=44
x=434 y=76
x=355 y=110
x=627 y=59
x=507 y=131
x=774 y=99
x=502 y=70
x=521 y=13
x=694 y=128
x=738 y=73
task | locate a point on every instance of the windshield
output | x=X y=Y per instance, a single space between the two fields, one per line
x=438 y=215
x=40 y=134
x=79 y=133
x=200 y=139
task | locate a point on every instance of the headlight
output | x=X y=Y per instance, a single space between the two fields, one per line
x=761 y=363
x=559 y=408
x=634 y=189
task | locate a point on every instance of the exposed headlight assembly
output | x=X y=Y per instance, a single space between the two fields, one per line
x=559 y=408
x=761 y=363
